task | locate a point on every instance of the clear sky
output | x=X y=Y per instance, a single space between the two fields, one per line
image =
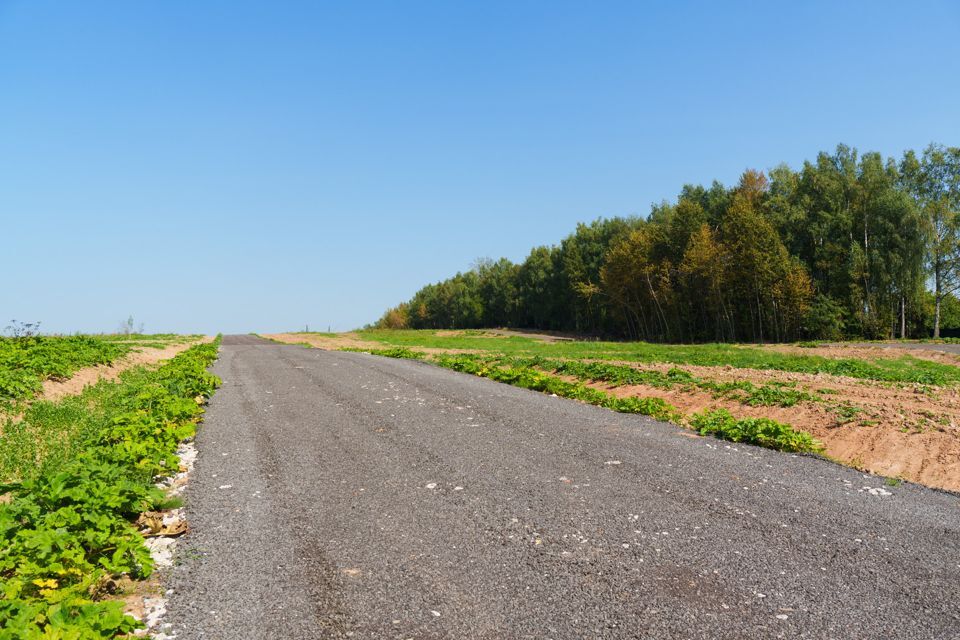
x=261 y=166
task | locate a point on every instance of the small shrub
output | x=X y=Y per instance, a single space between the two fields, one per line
x=759 y=431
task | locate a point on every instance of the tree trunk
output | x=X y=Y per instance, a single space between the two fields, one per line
x=937 y=297
x=903 y=317
x=936 y=318
x=759 y=313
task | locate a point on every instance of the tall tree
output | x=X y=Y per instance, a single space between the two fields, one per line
x=703 y=277
x=934 y=181
x=498 y=291
x=639 y=286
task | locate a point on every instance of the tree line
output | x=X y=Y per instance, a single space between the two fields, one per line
x=848 y=246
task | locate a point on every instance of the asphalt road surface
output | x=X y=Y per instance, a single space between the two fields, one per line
x=343 y=495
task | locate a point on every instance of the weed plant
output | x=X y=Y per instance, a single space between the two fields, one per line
x=763 y=432
x=26 y=362
x=65 y=531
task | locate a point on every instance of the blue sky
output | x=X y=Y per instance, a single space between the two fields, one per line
x=261 y=166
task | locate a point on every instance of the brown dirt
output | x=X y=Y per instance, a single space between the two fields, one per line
x=897 y=440
x=53 y=390
x=544 y=336
x=863 y=352
x=347 y=340
x=351 y=340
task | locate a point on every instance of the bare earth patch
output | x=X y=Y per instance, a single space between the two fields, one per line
x=348 y=340
x=917 y=440
x=53 y=390
x=863 y=352
x=351 y=340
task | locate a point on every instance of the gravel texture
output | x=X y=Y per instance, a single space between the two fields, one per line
x=342 y=495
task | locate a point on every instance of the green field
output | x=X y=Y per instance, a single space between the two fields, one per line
x=906 y=369
x=26 y=362
x=75 y=473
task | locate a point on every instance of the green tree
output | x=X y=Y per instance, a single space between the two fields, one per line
x=934 y=183
x=538 y=289
x=497 y=286
x=703 y=277
x=638 y=285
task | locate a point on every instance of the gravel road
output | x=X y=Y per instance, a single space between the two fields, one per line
x=343 y=495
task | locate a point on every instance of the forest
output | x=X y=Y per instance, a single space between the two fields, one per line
x=849 y=246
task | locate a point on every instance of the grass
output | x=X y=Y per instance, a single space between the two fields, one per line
x=536 y=380
x=66 y=530
x=906 y=369
x=151 y=340
x=26 y=362
x=50 y=434
x=770 y=394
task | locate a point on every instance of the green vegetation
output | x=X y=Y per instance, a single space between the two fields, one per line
x=66 y=529
x=895 y=370
x=759 y=431
x=395 y=352
x=155 y=340
x=536 y=380
x=772 y=394
x=844 y=247
x=26 y=362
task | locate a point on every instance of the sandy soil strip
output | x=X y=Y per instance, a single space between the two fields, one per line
x=347 y=340
x=350 y=340
x=53 y=390
x=864 y=352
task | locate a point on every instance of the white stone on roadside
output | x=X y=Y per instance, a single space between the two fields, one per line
x=432 y=485
x=436 y=614
x=154 y=610
x=161 y=550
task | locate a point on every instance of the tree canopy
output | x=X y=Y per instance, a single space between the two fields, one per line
x=847 y=246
